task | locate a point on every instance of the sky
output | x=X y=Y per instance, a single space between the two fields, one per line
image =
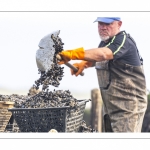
x=21 y=33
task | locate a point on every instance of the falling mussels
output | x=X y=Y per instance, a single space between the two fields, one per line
x=54 y=75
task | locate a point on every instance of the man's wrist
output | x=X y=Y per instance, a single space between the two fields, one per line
x=78 y=54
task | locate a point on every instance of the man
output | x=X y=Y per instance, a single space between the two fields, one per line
x=120 y=75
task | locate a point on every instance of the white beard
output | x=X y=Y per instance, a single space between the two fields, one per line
x=104 y=38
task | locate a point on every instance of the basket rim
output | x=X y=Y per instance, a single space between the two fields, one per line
x=64 y=107
x=14 y=109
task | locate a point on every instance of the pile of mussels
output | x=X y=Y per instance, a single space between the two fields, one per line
x=43 y=99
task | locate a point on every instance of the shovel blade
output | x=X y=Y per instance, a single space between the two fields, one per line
x=46 y=51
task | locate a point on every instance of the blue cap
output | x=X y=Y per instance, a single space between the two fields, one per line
x=107 y=19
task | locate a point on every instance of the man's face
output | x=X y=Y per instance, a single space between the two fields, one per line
x=107 y=31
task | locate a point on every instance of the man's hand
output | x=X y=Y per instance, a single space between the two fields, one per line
x=81 y=66
x=76 y=54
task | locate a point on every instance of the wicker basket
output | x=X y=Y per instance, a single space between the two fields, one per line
x=63 y=119
x=5 y=114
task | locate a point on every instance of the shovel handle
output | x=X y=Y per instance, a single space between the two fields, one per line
x=74 y=68
x=70 y=66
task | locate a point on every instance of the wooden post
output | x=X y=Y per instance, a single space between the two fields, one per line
x=96 y=110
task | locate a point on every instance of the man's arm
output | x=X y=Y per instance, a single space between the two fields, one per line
x=94 y=55
x=98 y=54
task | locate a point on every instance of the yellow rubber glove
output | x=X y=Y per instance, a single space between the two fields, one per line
x=75 y=54
x=81 y=66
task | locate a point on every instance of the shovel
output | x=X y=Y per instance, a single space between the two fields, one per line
x=46 y=51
